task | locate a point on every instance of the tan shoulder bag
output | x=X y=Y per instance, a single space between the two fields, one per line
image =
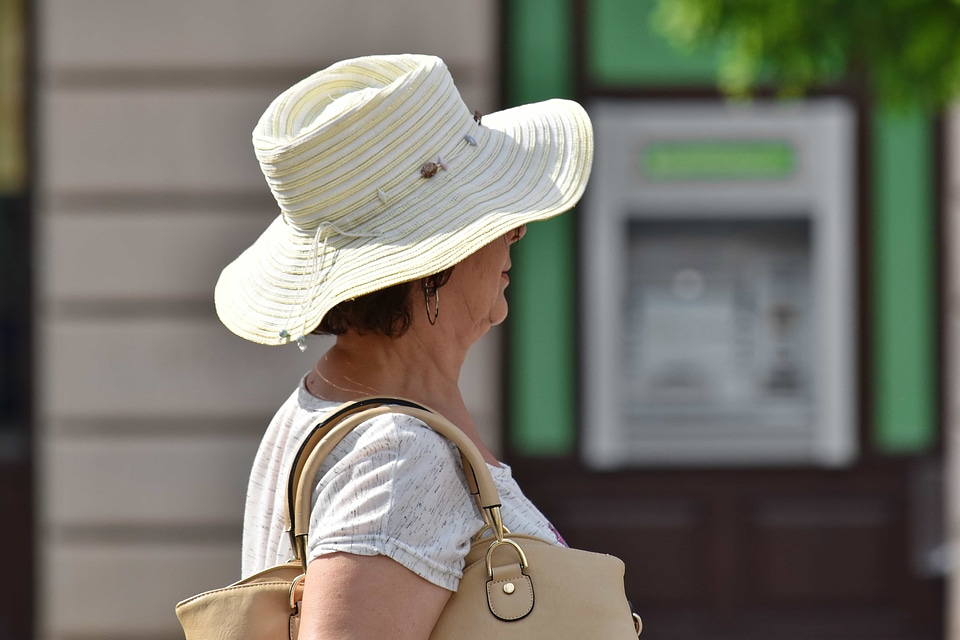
x=513 y=586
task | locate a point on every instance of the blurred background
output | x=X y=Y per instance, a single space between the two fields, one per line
x=733 y=366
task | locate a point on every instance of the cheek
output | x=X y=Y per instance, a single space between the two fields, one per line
x=480 y=278
x=484 y=272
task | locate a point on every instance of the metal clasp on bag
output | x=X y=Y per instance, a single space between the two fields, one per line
x=510 y=593
x=487 y=528
x=497 y=543
x=495 y=523
x=294 y=606
x=300 y=550
x=637 y=622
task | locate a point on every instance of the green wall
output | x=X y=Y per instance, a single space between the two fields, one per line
x=542 y=412
x=622 y=51
x=903 y=283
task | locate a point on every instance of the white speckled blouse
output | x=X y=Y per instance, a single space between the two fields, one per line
x=392 y=487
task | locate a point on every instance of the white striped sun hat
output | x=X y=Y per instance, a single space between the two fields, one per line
x=383 y=175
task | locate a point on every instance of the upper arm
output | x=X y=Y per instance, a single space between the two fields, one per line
x=397 y=491
x=353 y=597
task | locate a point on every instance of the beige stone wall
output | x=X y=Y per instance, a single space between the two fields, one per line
x=952 y=370
x=148 y=410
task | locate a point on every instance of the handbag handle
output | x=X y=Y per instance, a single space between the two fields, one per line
x=327 y=435
x=318 y=431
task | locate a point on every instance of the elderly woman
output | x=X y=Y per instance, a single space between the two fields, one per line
x=399 y=209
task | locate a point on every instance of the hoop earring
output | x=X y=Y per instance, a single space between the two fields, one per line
x=431 y=292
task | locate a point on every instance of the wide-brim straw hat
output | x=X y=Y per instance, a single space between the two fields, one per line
x=383 y=175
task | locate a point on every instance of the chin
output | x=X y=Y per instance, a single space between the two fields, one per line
x=498 y=319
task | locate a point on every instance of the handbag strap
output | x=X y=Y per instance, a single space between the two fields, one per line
x=331 y=431
x=316 y=433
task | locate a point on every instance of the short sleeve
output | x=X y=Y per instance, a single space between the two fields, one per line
x=394 y=487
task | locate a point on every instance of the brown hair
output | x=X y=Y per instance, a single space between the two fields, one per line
x=387 y=311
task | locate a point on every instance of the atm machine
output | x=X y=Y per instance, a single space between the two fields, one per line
x=718 y=256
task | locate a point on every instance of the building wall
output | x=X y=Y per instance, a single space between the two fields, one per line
x=148 y=410
x=951 y=367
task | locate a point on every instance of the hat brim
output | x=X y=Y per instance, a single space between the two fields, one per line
x=531 y=163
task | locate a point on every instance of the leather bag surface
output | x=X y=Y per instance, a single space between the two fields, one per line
x=513 y=586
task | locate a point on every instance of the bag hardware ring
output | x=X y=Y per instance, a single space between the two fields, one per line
x=293 y=592
x=511 y=543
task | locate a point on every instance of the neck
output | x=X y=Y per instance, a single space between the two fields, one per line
x=420 y=366
x=368 y=365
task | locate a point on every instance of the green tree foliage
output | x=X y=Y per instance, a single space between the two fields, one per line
x=906 y=51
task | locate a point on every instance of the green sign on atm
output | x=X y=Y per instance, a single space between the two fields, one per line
x=718 y=161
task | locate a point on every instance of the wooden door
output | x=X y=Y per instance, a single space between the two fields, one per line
x=758 y=554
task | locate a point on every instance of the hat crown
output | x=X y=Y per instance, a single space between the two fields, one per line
x=335 y=142
x=383 y=176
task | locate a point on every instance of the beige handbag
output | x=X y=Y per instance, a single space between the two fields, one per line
x=513 y=586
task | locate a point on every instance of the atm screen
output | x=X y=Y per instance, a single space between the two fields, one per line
x=717 y=321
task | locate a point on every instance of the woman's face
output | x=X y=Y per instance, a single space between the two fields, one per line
x=478 y=283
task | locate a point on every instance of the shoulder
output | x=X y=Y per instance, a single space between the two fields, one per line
x=391 y=450
x=409 y=437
